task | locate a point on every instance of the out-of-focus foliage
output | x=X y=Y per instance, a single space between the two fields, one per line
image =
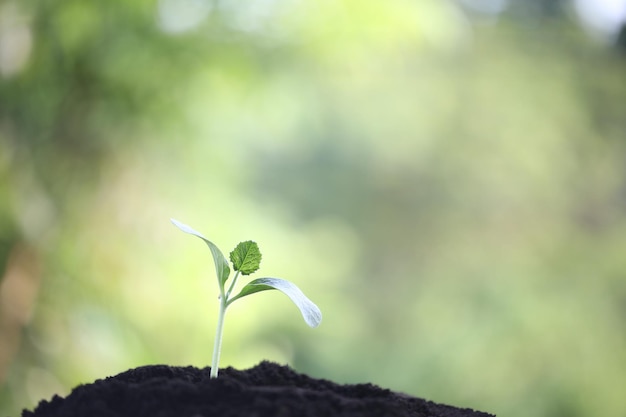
x=445 y=179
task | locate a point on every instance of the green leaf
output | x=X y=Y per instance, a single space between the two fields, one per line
x=246 y=257
x=310 y=312
x=221 y=264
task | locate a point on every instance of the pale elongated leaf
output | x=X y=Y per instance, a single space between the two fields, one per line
x=221 y=264
x=310 y=312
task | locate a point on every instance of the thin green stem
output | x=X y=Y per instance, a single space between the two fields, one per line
x=224 y=302
x=232 y=286
x=217 y=345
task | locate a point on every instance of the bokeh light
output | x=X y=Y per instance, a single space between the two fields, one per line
x=445 y=179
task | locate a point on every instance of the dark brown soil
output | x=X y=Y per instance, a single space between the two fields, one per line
x=266 y=390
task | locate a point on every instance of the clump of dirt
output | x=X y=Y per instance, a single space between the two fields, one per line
x=266 y=390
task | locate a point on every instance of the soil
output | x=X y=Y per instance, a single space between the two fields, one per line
x=266 y=390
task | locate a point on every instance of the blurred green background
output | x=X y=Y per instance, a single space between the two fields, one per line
x=447 y=180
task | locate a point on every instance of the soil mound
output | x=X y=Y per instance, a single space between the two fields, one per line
x=266 y=390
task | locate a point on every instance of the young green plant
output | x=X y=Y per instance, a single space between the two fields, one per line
x=246 y=259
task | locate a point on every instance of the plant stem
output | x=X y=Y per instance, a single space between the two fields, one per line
x=217 y=345
x=232 y=285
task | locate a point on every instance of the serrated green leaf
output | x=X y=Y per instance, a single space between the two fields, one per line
x=310 y=312
x=246 y=257
x=221 y=264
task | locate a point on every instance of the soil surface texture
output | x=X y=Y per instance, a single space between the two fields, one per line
x=266 y=390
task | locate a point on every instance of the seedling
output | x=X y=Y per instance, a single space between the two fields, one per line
x=246 y=259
